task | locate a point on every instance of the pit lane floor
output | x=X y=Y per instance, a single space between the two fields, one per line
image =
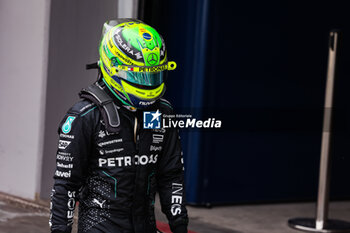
x=18 y=218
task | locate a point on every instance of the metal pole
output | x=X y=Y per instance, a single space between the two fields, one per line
x=324 y=177
x=322 y=223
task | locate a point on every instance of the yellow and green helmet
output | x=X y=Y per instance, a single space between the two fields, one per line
x=133 y=62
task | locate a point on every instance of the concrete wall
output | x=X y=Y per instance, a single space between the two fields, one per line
x=23 y=63
x=128 y=8
x=75 y=31
x=44 y=48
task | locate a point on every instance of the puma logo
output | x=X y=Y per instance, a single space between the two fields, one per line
x=98 y=203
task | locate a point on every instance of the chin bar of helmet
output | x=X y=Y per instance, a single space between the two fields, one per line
x=171 y=65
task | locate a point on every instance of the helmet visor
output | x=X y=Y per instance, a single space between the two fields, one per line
x=144 y=75
x=143 y=78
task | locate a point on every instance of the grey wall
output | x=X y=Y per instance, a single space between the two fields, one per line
x=44 y=46
x=23 y=46
x=128 y=8
x=75 y=30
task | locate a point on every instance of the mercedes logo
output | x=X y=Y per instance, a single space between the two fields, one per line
x=152 y=59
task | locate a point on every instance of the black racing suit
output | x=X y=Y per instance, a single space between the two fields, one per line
x=115 y=176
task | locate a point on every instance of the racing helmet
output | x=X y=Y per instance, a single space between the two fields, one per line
x=133 y=62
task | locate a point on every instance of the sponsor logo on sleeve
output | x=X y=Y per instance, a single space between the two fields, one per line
x=66 y=136
x=64 y=157
x=63 y=144
x=67 y=126
x=63 y=174
x=62 y=165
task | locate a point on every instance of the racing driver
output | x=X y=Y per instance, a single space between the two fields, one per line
x=109 y=158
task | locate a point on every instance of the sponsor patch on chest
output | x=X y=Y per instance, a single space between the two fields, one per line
x=125 y=161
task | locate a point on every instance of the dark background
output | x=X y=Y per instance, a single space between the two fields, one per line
x=260 y=67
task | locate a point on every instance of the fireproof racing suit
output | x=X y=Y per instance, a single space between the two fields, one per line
x=115 y=176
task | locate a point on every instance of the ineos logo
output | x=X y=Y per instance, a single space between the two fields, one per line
x=152 y=58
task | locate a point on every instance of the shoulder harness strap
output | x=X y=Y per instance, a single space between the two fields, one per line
x=108 y=108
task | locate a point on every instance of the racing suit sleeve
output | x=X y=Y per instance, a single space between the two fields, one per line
x=170 y=182
x=71 y=165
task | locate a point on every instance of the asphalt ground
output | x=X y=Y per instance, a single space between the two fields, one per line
x=270 y=218
x=20 y=218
